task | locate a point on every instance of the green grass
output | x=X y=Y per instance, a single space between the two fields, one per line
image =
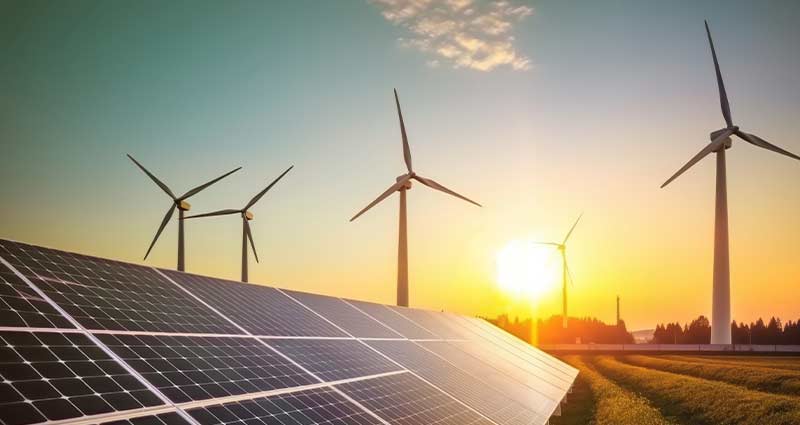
x=784 y=363
x=752 y=377
x=696 y=400
x=612 y=405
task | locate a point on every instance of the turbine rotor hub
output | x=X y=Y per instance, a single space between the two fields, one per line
x=408 y=183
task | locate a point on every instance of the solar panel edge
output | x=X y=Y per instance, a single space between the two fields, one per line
x=128 y=368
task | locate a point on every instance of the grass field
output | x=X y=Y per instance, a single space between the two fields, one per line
x=677 y=389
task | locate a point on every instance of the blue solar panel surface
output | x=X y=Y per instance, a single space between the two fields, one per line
x=101 y=341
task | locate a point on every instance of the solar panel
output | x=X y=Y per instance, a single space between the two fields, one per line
x=469 y=389
x=344 y=315
x=260 y=310
x=395 y=321
x=335 y=359
x=169 y=418
x=539 y=397
x=434 y=322
x=316 y=406
x=89 y=340
x=407 y=400
x=105 y=294
x=21 y=306
x=187 y=368
x=56 y=376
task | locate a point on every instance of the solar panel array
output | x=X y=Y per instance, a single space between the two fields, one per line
x=86 y=340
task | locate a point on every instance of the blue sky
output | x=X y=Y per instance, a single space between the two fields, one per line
x=606 y=101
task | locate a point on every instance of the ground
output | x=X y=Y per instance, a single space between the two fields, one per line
x=683 y=389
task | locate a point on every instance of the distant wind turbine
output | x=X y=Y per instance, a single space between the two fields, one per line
x=721 y=141
x=180 y=203
x=246 y=217
x=562 y=248
x=402 y=185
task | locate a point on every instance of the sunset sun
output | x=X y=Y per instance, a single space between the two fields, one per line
x=525 y=268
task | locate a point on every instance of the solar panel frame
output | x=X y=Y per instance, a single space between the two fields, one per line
x=342 y=314
x=111 y=295
x=322 y=405
x=393 y=320
x=464 y=386
x=191 y=368
x=405 y=399
x=58 y=376
x=21 y=306
x=260 y=310
x=335 y=359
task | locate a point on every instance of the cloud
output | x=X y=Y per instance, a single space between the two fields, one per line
x=472 y=34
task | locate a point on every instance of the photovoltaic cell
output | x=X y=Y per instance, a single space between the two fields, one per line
x=344 y=315
x=404 y=399
x=197 y=368
x=431 y=321
x=111 y=295
x=468 y=388
x=546 y=380
x=334 y=359
x=259 y=309
x=21 y=306
x=394 y=320
x=502 y=340
x=170 y=418
x=55 y=376
x=541 y=397
x=317 y=406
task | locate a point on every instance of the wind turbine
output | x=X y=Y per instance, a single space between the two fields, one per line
x=403 y=184
x=721 y=141
x=246 y=217
x=180 y=203
x=562 y=248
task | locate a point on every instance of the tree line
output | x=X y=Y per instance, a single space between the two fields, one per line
x=773 y=332
x=585 y=330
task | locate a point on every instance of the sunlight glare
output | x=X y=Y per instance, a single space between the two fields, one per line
x=525 y=269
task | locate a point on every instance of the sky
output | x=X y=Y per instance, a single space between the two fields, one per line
x=537 y=110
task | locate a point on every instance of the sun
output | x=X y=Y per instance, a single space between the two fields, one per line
x=525 y=269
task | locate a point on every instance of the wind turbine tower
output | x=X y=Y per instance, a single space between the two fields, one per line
x=720 y=142
x=402 y=185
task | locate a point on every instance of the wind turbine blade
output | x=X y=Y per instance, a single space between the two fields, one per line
x=711 y=147
x=250 y=238
x=215 y=213
x=432 y=184
x=154 y=178
x=260 y=194
x=406 y=148
x=205 y=185
x=164 y=222
x=755 y=140
x=571 y=229
x=723 y=96
x=383 y=195
x=547 y=243
x=569 y=275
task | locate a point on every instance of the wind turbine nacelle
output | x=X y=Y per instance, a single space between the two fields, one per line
x=248 y=215
x=184 y=206
x=405 y=186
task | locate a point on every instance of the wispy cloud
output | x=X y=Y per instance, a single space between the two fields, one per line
x=472 y=34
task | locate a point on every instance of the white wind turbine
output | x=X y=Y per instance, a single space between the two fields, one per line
x=402 y=184
x=562 y=248
x=721 y=141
